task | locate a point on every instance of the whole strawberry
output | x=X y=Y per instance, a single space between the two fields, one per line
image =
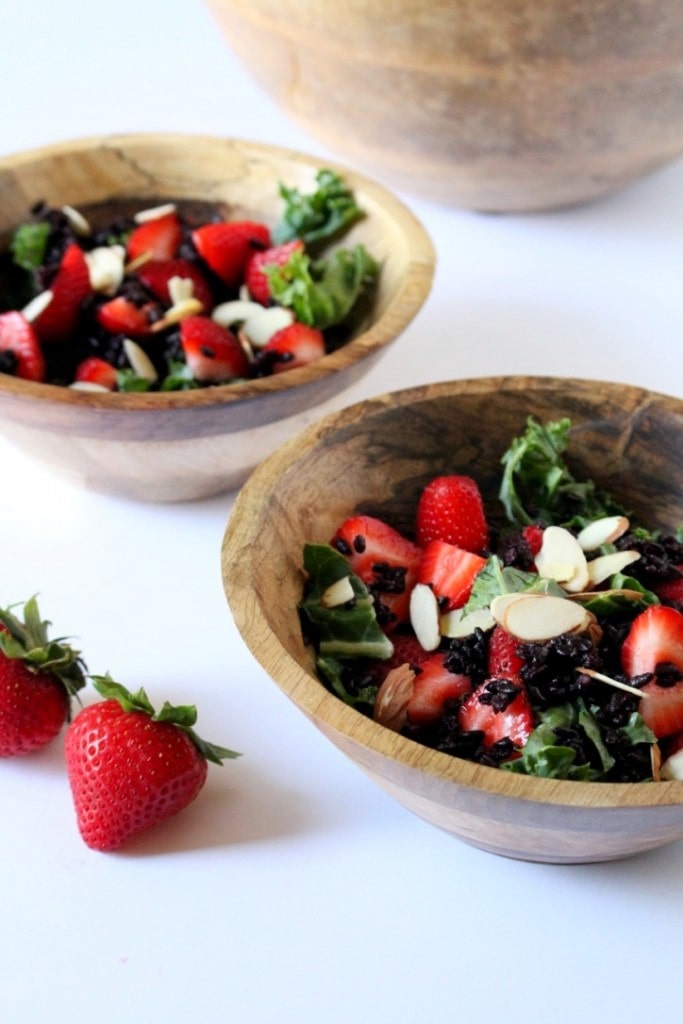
x=451 y=508
x=38 y=678
x=131 y=767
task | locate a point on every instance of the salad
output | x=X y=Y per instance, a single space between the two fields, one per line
x=162 y=300
x=553 y=647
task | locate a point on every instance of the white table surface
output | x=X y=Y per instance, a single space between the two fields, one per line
x=293 y=890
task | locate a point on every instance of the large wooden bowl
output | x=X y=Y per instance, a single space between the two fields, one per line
x=375 y=457
x=191 y=444
x=487 y=104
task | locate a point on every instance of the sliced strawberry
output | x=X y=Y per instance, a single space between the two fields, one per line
x=434 y=685
x=94 y=370
x=384 y=559
x=70 y=287
x=500 y=709
x=503 y=660
x=671 y=591
x=18 y=338
x=533 y=535
x=407 y=651
x=662 y=708
x=450 y=571
x=255 y=276
x=451 y=508
x=227 y=246
x=156 y=274
x=294 y=346
x=121 y=316
x=213 y=353
x=655 y=638
x=160 y=237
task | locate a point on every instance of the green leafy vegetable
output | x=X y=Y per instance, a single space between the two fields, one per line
x=495 y=579
x=624 y=593
x=28 y=245
x=332 y=671
x=320 y=215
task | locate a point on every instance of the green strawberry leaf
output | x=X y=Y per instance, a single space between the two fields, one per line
x=27 y=640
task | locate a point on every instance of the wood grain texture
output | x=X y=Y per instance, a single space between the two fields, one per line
x=183 y=445
x=488 y=104
x=375 y=457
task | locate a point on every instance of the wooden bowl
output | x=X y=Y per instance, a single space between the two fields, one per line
x=192 y=444
x=508 y=105
x=375 y=457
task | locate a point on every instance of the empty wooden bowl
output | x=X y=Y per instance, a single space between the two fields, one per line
x=508 y=105
x=375 y=457
x=191 y=444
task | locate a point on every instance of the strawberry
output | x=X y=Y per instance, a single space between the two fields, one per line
x=94 y=370
x=255 y=276
x=156 y=274
x=160 y=237
x=501 y=710
x=384 y=559
x=70 y=287
x=131 y=767
x=38 y=677
x=435 y=685
x=655 y=638
x=212 y=352
x=450 y=571
x=503 y=660
x=533 y=535
x=18 y=339
x=451 y=508
x=226 y=247
x=121 y=316
x=662 y=708
x=407 y=651
x=294 y=346
x=671 y=591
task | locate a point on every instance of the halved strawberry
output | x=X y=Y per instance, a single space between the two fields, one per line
x=384 y=559
x=662 y=708
x=156 y=274
x=503 y=660
x=94 y=370
x=655 y=638
x=255 y=276
x=121 y=316
x=70 y=287
x=212 y=352
x=18 y=337
x=435 y=685
x=160 y=237
x=500 y=709
x=227 y=246
x=451 y=508
x=450 y=571
x=294 y=346
x=533 y=535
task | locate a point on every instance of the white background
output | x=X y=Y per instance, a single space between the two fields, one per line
x=293 y=890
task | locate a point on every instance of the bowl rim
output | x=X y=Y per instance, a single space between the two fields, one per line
x=310 y=695
x=405 y=305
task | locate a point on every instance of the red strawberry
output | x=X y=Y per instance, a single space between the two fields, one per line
x=160 y=237
x=19 y=340
x=155 y=275
x=450 y=571
x=70 y=287
x=500 y=710
x=226 y=247
x=212 y=352
x=503 y=660
x=451 y=508
x=662 y=708
x=38 y=677
x=294 y=346
x=94 y=370
x=121 y=316
x=671 y=591
x=384 y=559
x=407 y=651
x=131 y=767
x=655 y=637
x=434 y=686
x=533 y=535
x=255 y=276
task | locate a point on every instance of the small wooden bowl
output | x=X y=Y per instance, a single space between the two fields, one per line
x=375 y=457
x=508 y=105
x=191 y=444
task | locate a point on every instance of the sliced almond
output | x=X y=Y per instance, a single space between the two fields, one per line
x=180 y=289
x=602 y=531
x=154 y=212
x=604 y=566
x=88 y=385
x=77 y=221
x=106 y=267
x=227 y=314
x=424 y=616
x=562 y=559
x=35 y=307
x=455 y=624
x=180 y=311
x=260 y=327
x=501 y=603
x=393 y=697
x=656 y=762
x=139 y=261
x=539 y=617
x=139 y=360
x=338 y=593
x=673 y=767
